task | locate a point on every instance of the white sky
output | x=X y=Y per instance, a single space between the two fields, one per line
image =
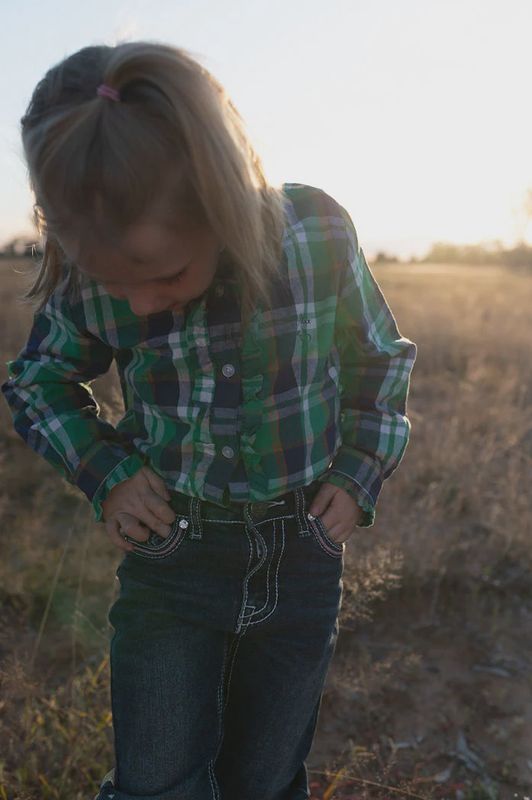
x=415 y=115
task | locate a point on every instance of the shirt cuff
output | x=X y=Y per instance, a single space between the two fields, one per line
x=358 y=494
x=124 y=469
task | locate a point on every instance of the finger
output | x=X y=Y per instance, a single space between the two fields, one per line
x=147 y=517
x=339 y=527
x=112 y=527
x=327 y=515
x=322 y=499
x=132 y=526
x=329 y=524
x=338 y=515
x=334 y=520
x=158 y=509
x=337 y=531
x=156 y=483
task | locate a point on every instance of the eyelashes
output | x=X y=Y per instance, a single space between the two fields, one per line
x=181 y=274
x=175 y=278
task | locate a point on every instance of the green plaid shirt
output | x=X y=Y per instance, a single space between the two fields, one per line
x=317 y=389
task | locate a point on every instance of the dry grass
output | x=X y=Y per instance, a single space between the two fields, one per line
x=429 y=694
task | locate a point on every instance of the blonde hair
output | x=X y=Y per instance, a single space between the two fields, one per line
x=96 y=165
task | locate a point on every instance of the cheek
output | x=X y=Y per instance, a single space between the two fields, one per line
x=195 y=280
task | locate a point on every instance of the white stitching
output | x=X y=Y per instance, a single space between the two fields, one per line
x=326 y=536
x=233 y=660
x=243 y=522
x=255 y=612
x=195 y=513
x=240 y=628
x=323 y=540
x=220 y=706
x=249 y=575
x=302 y=527
x=173 y=541
x=213 y=782
x=255 y=622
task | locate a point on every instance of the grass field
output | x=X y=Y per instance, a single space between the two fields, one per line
x=430 y=690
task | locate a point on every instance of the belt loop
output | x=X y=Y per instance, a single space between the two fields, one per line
x=194 y=506
x=300 y=506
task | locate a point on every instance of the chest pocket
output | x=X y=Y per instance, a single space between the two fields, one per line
x=298 y=352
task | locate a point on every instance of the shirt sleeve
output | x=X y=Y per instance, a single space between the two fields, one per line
x=375 y=368
x=53 y=407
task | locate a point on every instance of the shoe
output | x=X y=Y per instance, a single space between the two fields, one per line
x=109 y=780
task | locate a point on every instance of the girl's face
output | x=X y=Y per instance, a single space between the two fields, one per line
x=153 y=267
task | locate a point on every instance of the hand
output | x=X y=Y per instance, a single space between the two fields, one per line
x=338 y=511
x=135 y=506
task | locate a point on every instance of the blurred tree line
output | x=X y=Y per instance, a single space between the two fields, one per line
x=491 y=253
x=440 y=252
x=484 y=253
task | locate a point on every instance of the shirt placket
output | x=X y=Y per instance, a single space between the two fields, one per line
x=232 y=424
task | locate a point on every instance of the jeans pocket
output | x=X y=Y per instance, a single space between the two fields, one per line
x=332 y=548
x=158 y=547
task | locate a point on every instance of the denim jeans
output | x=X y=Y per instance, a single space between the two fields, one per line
x=223 y=634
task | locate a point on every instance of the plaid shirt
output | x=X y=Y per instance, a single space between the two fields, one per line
x=317 y=389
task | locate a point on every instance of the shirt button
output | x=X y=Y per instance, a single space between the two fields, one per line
x=219 y=290
x=228 y=370
x=227 y=451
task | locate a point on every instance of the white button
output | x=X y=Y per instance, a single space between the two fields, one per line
x=183 y=523
x=228 y=451
x=332 y=371
x=228 y=370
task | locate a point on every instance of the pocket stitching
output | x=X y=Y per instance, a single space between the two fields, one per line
x=172 y=541
x=324 y=540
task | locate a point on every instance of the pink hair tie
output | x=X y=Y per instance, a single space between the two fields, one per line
x=107 y=91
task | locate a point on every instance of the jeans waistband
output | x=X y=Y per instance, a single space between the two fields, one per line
x=290 y=502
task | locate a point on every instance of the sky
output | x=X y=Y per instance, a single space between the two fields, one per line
x=415 y=115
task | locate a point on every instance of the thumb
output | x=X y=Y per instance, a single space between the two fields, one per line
x=322 y=499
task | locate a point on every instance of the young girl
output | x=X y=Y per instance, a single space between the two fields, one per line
x=264 y=382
